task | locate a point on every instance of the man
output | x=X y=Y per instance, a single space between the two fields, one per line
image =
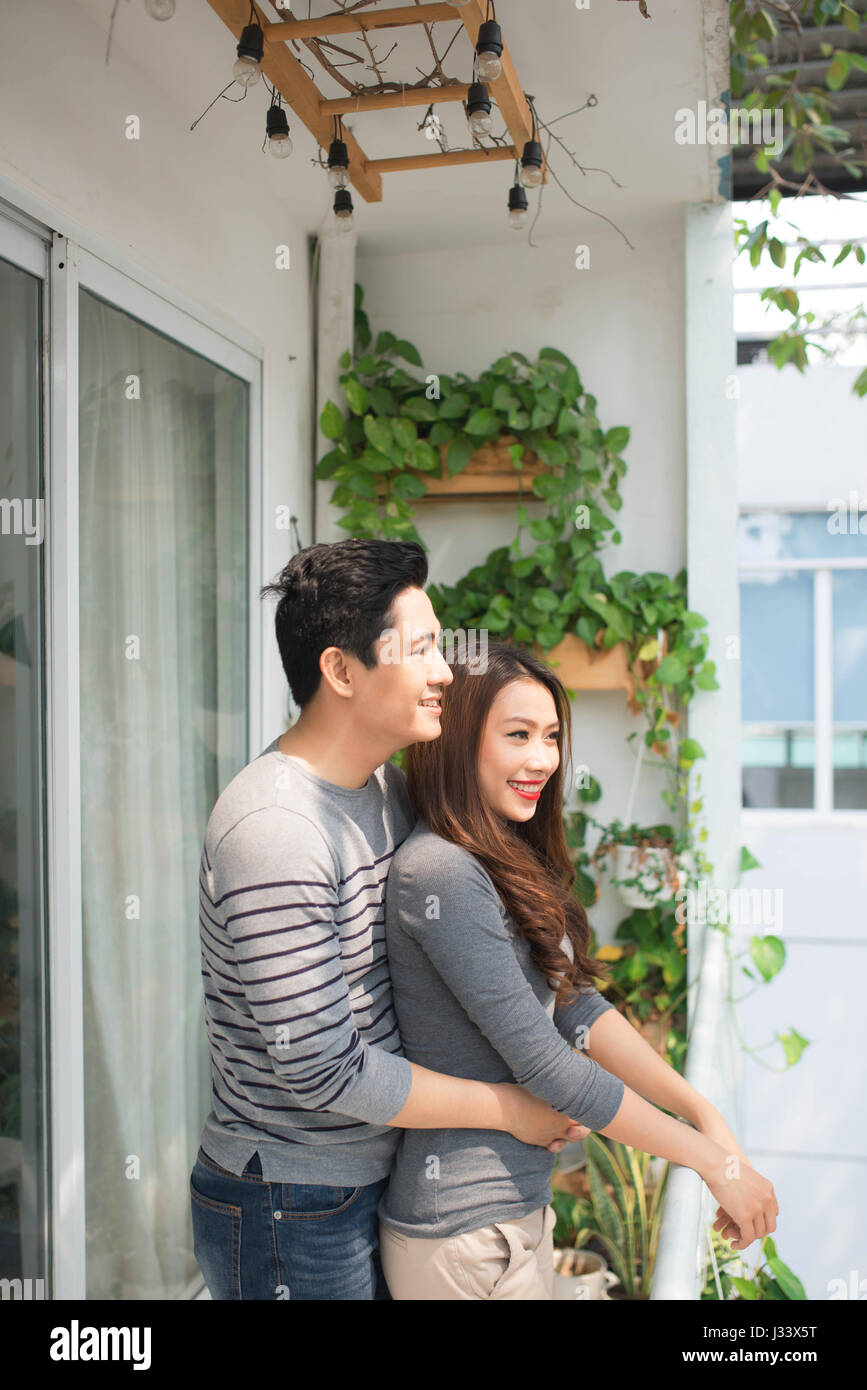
x=309 y=1085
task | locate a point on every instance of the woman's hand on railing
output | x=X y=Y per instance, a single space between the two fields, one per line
x=748 y=1206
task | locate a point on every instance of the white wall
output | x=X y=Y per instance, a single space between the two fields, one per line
x=622 y=323
x=802 y=439
x=801 y=443
x=203 y=210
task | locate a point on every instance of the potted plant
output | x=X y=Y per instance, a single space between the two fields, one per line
x=579 y=1271
x=647 y=866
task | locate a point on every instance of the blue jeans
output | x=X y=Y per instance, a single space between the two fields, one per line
x=275 y=1240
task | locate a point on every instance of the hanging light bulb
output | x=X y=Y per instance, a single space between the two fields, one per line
x=277 y=131
x=479 y=109
x=251 y=50
x=531 y=165
x=488 y=50
x=338 y=164
x=343 y=209
x=160 y=9
x=517 y=206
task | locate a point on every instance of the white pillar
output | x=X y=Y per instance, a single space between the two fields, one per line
x=335 y=305
x=714 y=716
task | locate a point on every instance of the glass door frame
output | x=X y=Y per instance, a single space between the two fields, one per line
x=79 y=259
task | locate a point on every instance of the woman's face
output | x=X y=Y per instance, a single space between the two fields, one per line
x=519 y=746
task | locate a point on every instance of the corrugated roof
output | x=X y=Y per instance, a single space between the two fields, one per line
x=848 y=105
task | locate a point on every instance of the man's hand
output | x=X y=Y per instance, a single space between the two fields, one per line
x=534 y=1121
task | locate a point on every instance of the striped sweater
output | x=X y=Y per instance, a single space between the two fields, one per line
x=306 y=1059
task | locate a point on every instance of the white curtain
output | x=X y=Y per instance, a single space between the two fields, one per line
x=163 y=611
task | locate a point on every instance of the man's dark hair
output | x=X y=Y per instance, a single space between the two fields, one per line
x=339 y=595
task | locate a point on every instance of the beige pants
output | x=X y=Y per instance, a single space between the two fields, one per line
x=509 y=1259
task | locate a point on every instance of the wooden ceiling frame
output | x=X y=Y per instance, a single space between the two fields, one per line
x=288 y=76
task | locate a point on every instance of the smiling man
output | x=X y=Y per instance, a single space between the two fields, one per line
x=310 y=1088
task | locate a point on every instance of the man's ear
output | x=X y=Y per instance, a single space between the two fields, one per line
x=336 y=669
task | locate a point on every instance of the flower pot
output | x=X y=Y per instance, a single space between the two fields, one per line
x=585 y=668
x=654 y=867
x=587 y=1275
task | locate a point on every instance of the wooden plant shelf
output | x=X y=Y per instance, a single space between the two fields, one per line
x=587 y=668
x=489 y=473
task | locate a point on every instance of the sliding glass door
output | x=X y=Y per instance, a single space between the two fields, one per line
x=129 y=649
x=23 y=1131
x=163 y=613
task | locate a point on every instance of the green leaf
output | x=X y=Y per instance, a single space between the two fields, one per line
x=671 y=670
x=460 y=451
x=345 y=359
x=541 y=417
x=788 y=1282
x=551 y=354
x=401 y=348
x=455 y=406
x=617 y=439
x=357 y=396
x=408 y=486
x=747 y=861
x=329 y=462
x=769 y=955
x=690 y=750
x=838 y=72
x=545 y=600
x=385 y=342
x=331 y=421
x=425 y=456
x=793 y=1046
x=378 y=431
x=483 y=421
x=441 y=433
x=382 y=400
x=419 y=408
x=405 y=431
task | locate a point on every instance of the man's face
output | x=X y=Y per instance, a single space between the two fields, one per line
x=390 y=698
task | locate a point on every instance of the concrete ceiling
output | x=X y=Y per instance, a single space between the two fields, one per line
x=641 y=71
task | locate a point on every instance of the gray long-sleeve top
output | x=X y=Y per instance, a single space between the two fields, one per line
x=470 y=1002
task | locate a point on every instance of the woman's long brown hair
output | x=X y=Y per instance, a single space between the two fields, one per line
x=528 y=861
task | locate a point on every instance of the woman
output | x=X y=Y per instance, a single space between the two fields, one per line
x=487 y=949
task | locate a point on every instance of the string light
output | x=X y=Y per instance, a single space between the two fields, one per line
x=479 y=109
x=517 y=203
x=531 y=159
x=343 y=209
x=489 y=47
x=338 y=158
x=277 y=130
x=251 y=50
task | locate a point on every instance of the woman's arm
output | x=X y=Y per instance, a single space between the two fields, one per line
x=612 y=1041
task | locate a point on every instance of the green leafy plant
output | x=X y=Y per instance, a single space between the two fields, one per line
x=626 y=1205
x=808 y=130
x=770 y=1279
x=390 y=435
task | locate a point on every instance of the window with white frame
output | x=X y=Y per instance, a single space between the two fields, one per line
x=803 y=589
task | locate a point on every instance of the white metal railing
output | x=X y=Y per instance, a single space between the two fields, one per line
x=712 y=1067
